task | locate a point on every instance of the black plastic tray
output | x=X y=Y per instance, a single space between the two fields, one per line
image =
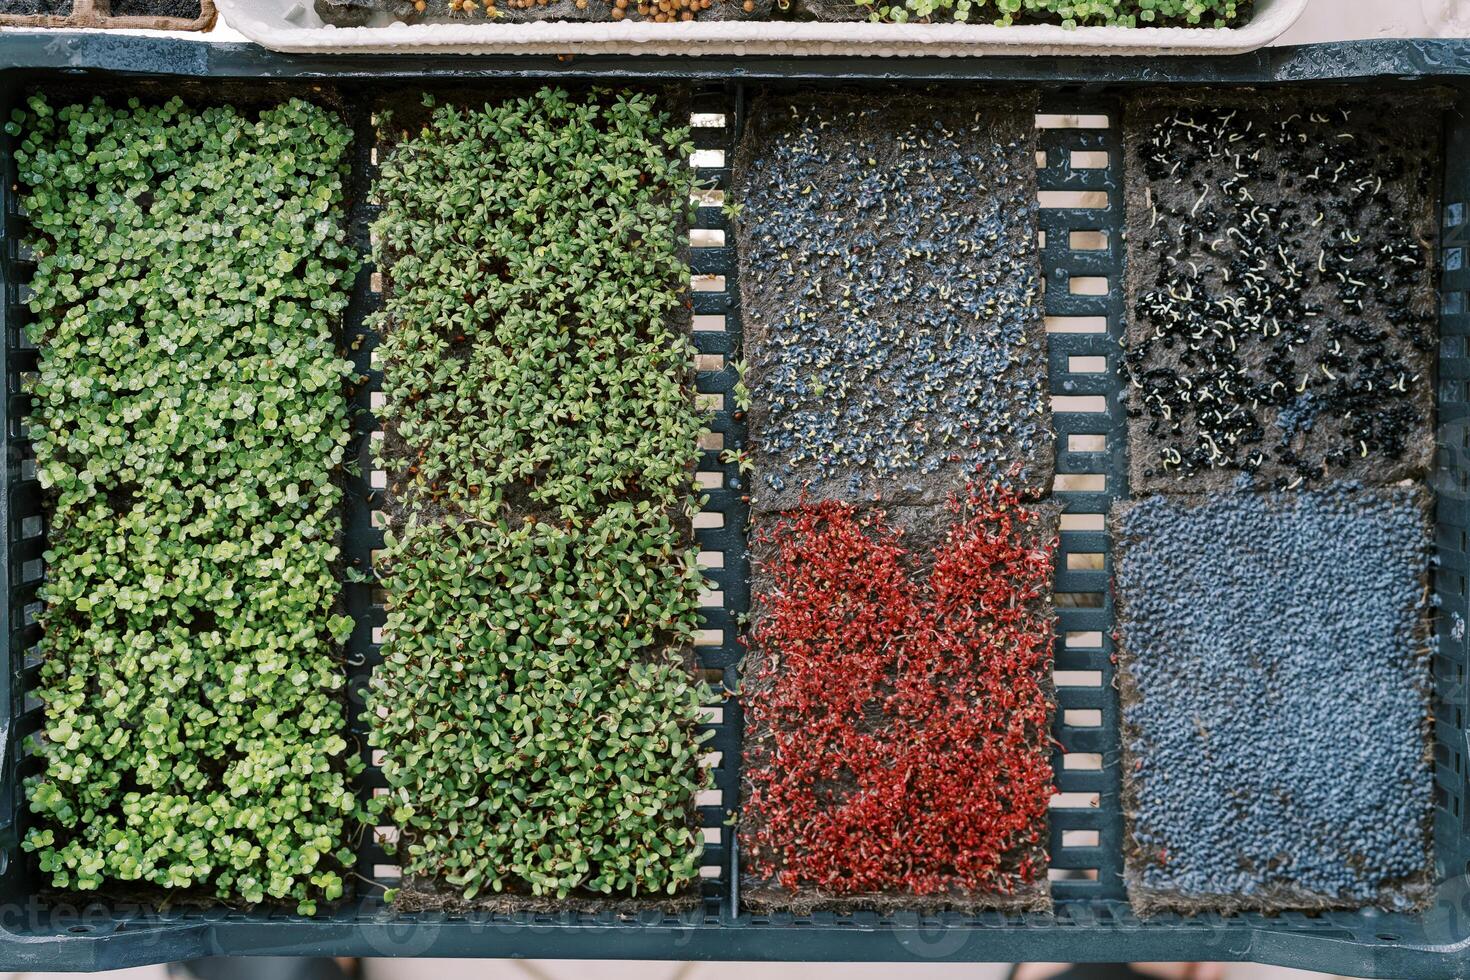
x=1092 y=921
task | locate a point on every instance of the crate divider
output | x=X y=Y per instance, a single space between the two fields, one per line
x=1086 y=844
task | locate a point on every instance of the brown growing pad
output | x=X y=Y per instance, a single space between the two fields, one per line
x=98 y=13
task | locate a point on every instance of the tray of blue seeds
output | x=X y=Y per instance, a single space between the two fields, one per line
x=1275 y=699
x=891 y=284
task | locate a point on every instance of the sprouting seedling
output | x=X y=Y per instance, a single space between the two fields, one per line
x=740 y=458
x=740 y=390
x=601 y=449
x=357 y=576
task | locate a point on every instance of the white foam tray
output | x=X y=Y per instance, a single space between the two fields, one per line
x=293 y=26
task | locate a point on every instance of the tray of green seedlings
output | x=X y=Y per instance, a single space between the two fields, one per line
x=536 y=703
x=657 y=519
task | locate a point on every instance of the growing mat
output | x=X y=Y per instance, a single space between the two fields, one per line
x=892 y=289
x=190 y=429
x=1274 y=694
x=536 y=707
x=1281 y=289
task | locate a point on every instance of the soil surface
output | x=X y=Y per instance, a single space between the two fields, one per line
x=183 y=9
x=33 y=7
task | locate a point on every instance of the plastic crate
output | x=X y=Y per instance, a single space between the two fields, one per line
x=1092 y=920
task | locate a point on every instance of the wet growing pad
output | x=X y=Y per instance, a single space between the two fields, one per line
x=898 y=707
x=890 y=277
x=1275 y=698
x=1281 y=289
x=536 y=709
x=190 y=424
x=183 y=9
x=31 y=7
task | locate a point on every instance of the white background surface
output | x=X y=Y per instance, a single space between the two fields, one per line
x=1343 y=20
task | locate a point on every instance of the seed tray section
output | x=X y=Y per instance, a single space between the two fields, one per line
x=1081 y=182
x=719 y=527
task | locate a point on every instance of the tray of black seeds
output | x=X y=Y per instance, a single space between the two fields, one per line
x=1281 y=291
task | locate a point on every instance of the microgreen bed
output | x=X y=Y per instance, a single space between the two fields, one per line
x=926 y=773
x=540 y=435
x=535 y=357
x=1066 y=13
x=900 y=348
x=895 y=349
x=1283 y=295
x=535 y=699
x=1257 y=682
x=1283 y=337
x=190 y=423
x=539 y=735
x=1070 y=13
